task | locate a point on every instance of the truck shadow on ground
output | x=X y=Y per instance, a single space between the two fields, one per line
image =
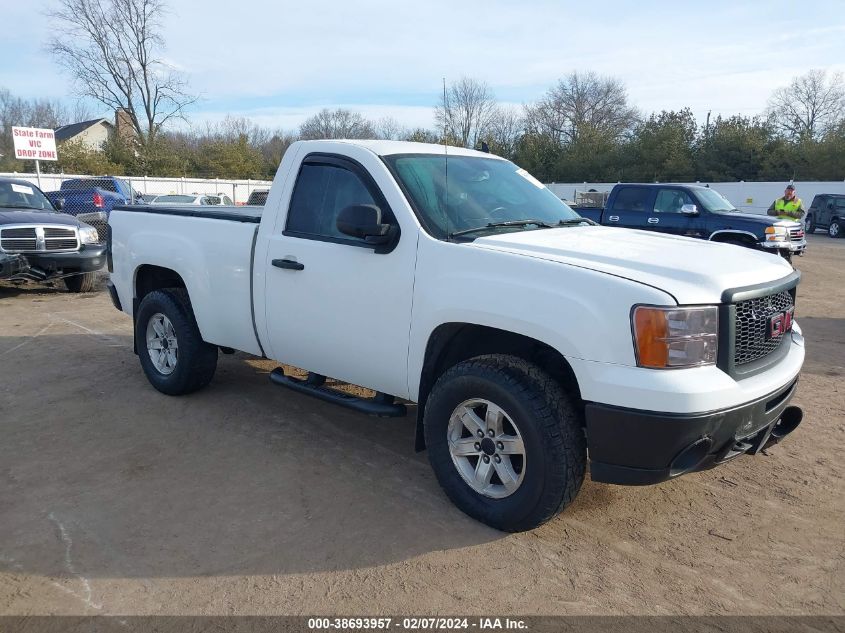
x=105 y=477
x=824 y=340
x=10 y=290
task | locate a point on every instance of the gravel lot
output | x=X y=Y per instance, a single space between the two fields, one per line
x=249 y=499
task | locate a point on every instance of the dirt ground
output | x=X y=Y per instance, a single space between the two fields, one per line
x=246 y=498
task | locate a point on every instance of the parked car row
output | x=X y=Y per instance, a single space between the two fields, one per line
x=691 y=211
x=61 y=235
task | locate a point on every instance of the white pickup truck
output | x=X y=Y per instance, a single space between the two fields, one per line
x=529 y=338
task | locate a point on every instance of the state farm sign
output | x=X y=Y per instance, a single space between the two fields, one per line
x=34 y=143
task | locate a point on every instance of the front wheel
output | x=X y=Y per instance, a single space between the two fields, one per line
x=836 y=229
x=173 y=355
x=505 y=442
x=82 y=282
x=810 y=225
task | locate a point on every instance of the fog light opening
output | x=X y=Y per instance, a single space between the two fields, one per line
x=789 y=421
x=690 y=457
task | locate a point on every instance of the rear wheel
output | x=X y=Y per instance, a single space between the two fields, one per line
x=82 y=282
x=836 y=228
x=173 y=355
x=505 y=442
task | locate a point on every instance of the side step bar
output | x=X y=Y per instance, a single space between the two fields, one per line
x=381 y=405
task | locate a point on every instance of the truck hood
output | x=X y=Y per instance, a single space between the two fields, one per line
x=691 y=270
x=753 y=218
x=22 y=216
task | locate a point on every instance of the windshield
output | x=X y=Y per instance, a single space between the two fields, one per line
x=14 y=195
x=480 y=191
x=133 y=195
x=714 y=201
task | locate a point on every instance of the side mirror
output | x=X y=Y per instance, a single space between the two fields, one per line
x=364 y=222
x=689 y=209
x=830 y=206
x=59 y=204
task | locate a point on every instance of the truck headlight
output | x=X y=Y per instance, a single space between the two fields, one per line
x=776 y=233
x=670 y=338
x=88 y=235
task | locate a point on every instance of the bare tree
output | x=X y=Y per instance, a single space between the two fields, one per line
x=506 y=127
x=465 y=112
x=112 y=48
x=339 y=123
x=232 y=128
x=583 y=104
x=390 y=129
x=38 y=112
x=44 y=113
x=810 y=106
x=422 y=135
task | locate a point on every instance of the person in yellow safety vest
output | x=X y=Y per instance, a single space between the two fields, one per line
x=789 y=207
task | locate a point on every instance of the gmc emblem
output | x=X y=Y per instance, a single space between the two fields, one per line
x=779 y=324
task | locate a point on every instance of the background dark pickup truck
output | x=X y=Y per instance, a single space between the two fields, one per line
x=39 y=244
x=695 y=211
x=827 y=212
x=92 y=199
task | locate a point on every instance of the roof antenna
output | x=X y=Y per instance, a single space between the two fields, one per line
x=446 y=159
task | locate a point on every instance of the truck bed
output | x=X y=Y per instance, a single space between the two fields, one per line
x=235 y=214
x=209 y=247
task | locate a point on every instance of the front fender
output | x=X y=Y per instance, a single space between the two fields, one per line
x=581 y=313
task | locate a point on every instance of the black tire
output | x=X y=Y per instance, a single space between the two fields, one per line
x=83 y=282
x=836 y=228
x=551 y=429
x=809 y=224
x=196 y=360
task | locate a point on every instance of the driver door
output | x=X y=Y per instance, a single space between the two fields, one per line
x=666 y=215
x=332 y=305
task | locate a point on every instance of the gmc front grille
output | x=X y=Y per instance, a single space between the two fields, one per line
x=751 y=326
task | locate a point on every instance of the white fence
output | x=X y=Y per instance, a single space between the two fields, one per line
x=238 y=190
x=748 y=197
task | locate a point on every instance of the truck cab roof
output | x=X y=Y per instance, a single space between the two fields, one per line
x=388 y=148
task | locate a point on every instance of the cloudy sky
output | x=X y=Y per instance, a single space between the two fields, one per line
x=279 y=62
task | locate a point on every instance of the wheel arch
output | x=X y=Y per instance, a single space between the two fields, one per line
x=451 y=343
x=149 y=278
x=736 y=235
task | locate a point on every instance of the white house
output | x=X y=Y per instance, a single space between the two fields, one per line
x=92 y=134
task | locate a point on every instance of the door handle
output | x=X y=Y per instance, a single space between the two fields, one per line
x=289 y=264
x=613 y=218
x=653 y=220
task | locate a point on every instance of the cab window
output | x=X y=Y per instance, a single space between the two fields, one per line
x=671 y=200
x=321 y=191
x=632 y=199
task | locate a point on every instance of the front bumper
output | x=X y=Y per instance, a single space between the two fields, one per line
x=637 y=447
x=12 y=265
x=796 y=247
x=88 y=258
